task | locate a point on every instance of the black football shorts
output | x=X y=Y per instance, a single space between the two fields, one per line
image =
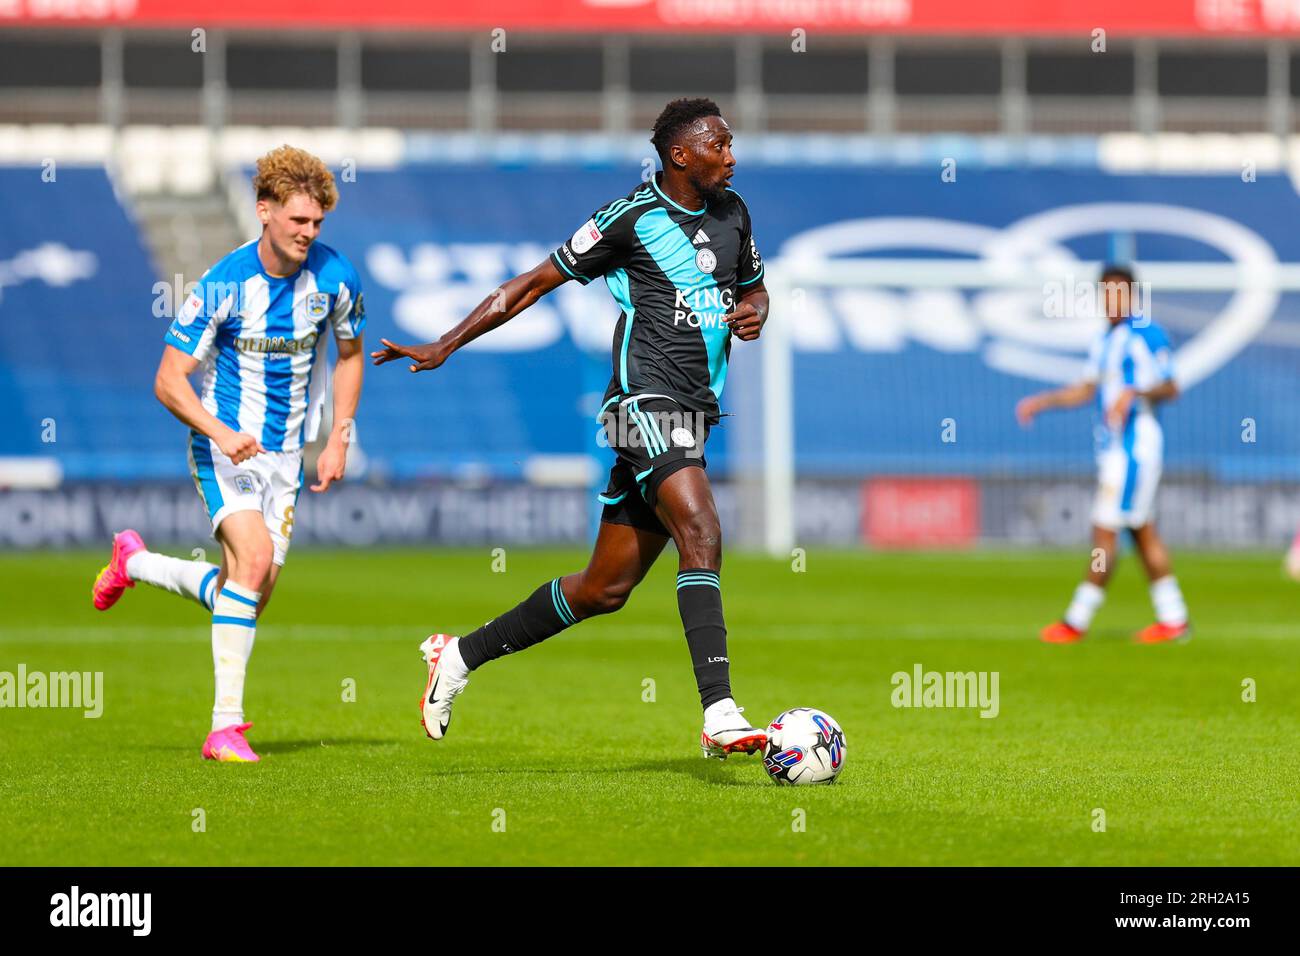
x=653 y=437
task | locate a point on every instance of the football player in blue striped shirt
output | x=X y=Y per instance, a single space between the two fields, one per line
x=1129 y=374
x=258 y=326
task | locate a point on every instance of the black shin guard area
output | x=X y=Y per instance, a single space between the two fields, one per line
x=544 y=614
x=699 y=598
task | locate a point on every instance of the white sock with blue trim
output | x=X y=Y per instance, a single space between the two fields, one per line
x=234 y=625
x=196 y=580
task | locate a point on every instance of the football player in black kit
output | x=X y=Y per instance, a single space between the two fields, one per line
x=679 y=257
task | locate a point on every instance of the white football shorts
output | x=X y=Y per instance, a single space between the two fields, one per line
x=1126 y=489
x=268 y=483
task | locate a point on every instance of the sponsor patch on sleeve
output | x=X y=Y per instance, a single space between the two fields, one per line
x=190 y=310
x=586 y=237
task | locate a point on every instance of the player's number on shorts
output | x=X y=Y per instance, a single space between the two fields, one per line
x=286 y=526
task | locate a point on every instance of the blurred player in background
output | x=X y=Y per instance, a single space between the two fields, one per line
x=1129 y=372
x=257 y=325
x=679 y=257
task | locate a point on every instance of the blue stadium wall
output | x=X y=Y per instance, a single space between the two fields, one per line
x=78 y=303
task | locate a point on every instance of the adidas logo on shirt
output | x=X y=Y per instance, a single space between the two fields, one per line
x=700 y=238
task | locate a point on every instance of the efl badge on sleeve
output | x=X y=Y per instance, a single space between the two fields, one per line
x=586 y=237
x=190 y=310
x=318 y=304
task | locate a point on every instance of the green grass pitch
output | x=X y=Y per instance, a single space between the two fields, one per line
x=559 y=746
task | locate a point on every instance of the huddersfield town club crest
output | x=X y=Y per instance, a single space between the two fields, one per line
x=244 y=484
x=318 y=304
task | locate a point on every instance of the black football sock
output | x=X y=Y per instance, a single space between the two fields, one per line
x=699 y=598
x=544 y=614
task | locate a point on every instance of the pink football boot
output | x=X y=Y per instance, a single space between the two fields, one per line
x=229 y=746
x=113 y=580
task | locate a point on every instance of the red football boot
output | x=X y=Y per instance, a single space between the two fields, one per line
x=1158 y=633
x=1059 y=632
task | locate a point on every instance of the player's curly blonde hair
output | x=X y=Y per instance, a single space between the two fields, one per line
x=287 y=170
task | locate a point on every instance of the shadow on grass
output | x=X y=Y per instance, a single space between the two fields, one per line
x=705 y=771
x=733 y=772
x=289 y=746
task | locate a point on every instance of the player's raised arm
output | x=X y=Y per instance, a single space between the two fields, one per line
x=172 y=387
x=497 y=309
x=1071 y=396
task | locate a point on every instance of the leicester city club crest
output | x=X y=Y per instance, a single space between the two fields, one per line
x=318 y=304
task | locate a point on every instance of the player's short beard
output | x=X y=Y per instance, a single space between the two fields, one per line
x=710 y=192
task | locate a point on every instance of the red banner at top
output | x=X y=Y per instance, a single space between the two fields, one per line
x=987 y=17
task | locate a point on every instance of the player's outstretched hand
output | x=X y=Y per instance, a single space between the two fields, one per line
x=746 y=322
x=425 y=357
x=239 y=447
x=1026 y=409
x=330 y=465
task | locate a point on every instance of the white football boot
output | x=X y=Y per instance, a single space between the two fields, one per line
x=447 y=678
x=726 y=731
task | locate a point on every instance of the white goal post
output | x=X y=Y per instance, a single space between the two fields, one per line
x=1253 y=287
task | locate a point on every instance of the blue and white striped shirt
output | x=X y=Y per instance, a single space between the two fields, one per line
x=1130 y=356
x=259 y=339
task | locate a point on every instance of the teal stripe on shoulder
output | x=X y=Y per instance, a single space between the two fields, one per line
x=614 y=208
x=613 y=215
